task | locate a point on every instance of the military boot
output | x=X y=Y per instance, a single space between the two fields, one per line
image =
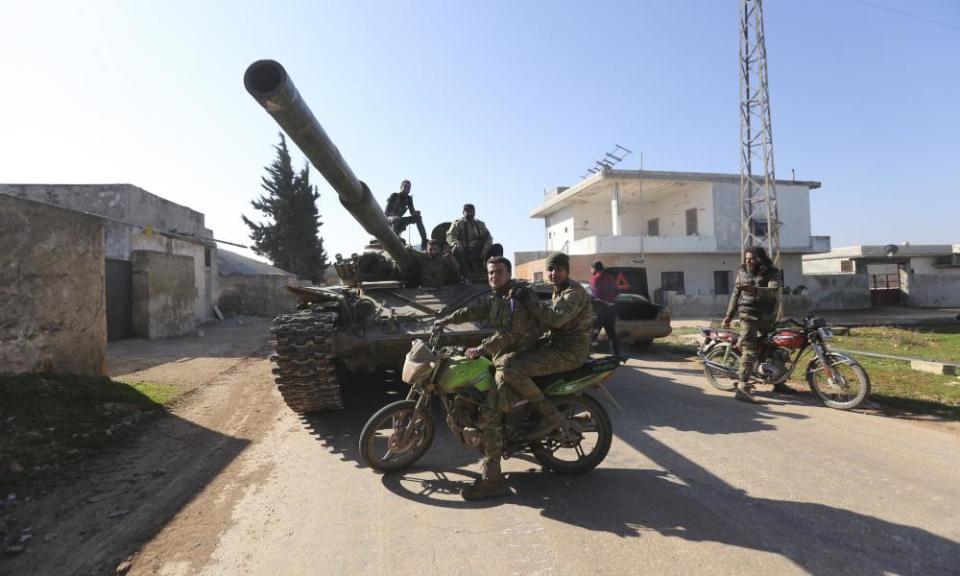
x=550 y=418
x=744 y=393
x=490 y=485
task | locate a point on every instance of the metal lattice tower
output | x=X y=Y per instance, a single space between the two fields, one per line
x=760 y=222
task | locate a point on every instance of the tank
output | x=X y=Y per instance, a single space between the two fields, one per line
x=341 y=332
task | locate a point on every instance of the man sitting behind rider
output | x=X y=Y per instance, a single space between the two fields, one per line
x=569 y=317
x=516 y=330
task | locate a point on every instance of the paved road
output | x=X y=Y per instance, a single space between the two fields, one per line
x=695 y=483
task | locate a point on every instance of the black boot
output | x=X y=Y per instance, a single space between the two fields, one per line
x=490 y=485
x=550 y=418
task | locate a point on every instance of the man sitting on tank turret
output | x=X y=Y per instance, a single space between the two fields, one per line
x=470 y=242
x=437 y=267
x=397 y=205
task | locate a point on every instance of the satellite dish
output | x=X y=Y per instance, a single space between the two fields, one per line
x=891 y=249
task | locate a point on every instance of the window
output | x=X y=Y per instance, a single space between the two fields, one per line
x=653 y=227
x=692 y=222
x=759 y=228
x=206 y=257
x=672 y=281
x=721 y=282
x=846 y=265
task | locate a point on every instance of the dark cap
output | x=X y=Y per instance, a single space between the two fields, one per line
x=558 y=260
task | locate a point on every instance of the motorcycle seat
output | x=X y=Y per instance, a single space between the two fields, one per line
x=592 y=366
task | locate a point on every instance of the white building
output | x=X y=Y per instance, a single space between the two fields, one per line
x=668 y=231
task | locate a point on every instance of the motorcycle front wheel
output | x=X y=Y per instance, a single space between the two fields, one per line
x=847 y=389
x=582 y=441
x=396 y=436
x=722 y=354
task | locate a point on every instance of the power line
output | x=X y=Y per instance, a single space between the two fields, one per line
x=908 y=14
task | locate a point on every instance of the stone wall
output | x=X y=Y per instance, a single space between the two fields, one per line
x=164 y=291
x=52 y=296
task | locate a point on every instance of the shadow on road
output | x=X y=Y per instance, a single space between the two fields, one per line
x=689 y=502
x=339 y=431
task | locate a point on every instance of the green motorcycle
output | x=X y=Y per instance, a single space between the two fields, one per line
x=400 y=433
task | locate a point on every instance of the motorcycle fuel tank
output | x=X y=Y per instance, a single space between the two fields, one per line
x=461 y=372
x=789 y=338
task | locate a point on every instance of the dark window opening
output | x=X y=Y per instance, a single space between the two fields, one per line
x=846 y=265
x=759 y=228
x=672 y=281
x=653 y=227
x=721 y=282
x=692 y=222
x=206 y=257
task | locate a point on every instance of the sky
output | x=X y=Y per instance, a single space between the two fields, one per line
x=488 y=102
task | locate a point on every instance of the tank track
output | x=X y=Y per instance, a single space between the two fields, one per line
x=305 y=371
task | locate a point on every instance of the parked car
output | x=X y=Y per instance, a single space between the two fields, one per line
x=639 y=320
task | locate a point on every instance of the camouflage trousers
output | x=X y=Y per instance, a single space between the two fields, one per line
x=515 y=371
x=751 y=328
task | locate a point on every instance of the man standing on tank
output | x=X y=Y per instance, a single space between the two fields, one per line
x=569 y=318
x=516 y=330
x=397 y=205
x=755 y=298
x=469 y=240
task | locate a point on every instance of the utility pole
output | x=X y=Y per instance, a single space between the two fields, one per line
x=760 y=222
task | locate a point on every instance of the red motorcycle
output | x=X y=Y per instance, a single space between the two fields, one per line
x=837 y=379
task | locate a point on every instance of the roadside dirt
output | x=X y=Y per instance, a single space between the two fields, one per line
x=96 y=524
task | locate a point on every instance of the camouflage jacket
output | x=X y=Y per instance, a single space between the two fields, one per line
x=465 y=235
x=569 y=316
x=435 y=272
x=516 y=329
x=763 y=303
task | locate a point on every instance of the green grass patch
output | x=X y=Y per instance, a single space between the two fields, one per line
x=927 y=342
x=52 y=423
x=896 y=384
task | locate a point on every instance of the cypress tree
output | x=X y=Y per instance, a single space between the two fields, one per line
x=290 y=237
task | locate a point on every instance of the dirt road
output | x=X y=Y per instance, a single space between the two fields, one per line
x=696 y=483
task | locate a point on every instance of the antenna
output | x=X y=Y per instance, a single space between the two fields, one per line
x=608 y=160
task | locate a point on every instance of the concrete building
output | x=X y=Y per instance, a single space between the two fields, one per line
x=672 y=236
x=253 y=288
x=160 y=259
x=926 y=276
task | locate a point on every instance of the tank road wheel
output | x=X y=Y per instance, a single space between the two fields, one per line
x=305 y=371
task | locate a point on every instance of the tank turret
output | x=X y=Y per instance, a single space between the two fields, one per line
x=270 y=85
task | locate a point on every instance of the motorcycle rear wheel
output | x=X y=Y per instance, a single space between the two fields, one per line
x=716 y=378
x=585 y=420
x=382 y=444
x=849 y=387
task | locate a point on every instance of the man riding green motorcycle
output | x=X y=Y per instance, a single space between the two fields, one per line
x=481 y=410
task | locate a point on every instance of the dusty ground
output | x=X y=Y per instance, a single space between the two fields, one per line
x=233 y=483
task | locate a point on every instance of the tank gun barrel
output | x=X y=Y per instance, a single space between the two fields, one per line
x=272 y=88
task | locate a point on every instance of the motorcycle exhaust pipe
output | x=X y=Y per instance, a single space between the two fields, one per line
x=720 y=367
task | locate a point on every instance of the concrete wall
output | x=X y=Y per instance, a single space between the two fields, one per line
x=52 y=295
x=838 y=291
x=257 y=295
x=793 y=204
x=706 y=306
x=164 y=291
x=934 y=291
